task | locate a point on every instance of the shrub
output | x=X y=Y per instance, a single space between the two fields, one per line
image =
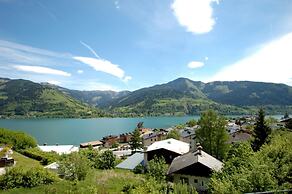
x=74 y=167
x=44 y=157
x=18 y=140
x=156 y=168
x=18 y=177
x=106 y=160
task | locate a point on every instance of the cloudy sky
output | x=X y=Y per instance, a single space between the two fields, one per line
x=129 y=44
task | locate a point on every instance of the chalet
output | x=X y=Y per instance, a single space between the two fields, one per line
x=239 y=136
x=150 y=138
x=110 y=140
x=194 y=168
x=94 y=144
x=187 y=134
x=169 y=149
x=125 y=137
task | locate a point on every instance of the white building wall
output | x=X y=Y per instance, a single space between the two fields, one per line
x=200 y=183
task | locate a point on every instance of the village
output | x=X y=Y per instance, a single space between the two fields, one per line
x=187 y=160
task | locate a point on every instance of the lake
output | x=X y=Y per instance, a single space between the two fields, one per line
x=76 y=131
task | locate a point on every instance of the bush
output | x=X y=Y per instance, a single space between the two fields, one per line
x=18 y=140
x=74 y=167
x=18 y=177
x=246 y=171
x=106 y=160
x=157 y=168
x=44 y=157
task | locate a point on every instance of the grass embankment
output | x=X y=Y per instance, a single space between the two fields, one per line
x=97 y=181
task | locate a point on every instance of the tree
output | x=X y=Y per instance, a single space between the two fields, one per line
x=212 y=134
x=106 y=160
x=140 y=125
x=191 y=123
x=261 y=131
x=288 y=125
x=173 y=134
x=157 y=168
x=286 y=115
x=74 y=167
x=136 y=141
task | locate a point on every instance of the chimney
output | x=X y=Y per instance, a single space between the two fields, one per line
x=199 y=149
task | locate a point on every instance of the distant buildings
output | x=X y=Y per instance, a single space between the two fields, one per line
x=94 y=144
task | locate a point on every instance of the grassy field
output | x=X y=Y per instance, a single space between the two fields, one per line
x=24 y=161
x=97 y=181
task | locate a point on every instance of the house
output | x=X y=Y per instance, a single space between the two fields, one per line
x=239 y=136
x=125 y=137
x=150 y=138
x=168 y=149
x=110 y=140
x=131 y=162
x=187 y=135
x=94 y=144
x=194 y=168
x=232 y=127
x=59 y=149
x=5 y=159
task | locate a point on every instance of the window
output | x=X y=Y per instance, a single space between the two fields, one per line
x=184 y=180
x=195 y=180
x=202 y=183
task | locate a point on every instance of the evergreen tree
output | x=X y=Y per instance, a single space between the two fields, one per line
x=136 y=141
x=212 y=134
x=261 y=131
x=286 y=115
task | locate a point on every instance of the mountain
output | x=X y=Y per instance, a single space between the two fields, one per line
x=178 y=97
x=23 y=98
x=184 y=96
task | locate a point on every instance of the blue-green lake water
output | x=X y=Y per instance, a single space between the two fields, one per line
x=76 y=131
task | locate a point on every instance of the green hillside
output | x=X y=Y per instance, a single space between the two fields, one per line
x=22 y=98
x=184 y=96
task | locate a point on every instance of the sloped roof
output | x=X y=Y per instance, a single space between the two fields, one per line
x=173 y=145
x=191 y=158
x=52 y=166
x=93 y=143
x=131 y=162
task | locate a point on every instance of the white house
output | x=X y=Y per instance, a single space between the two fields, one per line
x=59 y=149
x=169 y=149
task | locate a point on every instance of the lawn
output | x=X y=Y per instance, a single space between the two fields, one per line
x=24 y=161
x=97 y=181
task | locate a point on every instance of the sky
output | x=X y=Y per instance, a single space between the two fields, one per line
x=130 y=44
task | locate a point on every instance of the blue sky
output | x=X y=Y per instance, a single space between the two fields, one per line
x=130 y=44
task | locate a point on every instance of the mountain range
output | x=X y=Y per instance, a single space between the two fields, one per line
x=178 y=97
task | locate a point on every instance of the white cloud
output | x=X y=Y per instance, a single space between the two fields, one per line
x=41 y=70
x=127 y=78
x=79 y=71
x=54 y=82
x=195 y=15
x=271 y=63
x=195 y=64
x=206 y=58
x=117 y=4
x=103 y=66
